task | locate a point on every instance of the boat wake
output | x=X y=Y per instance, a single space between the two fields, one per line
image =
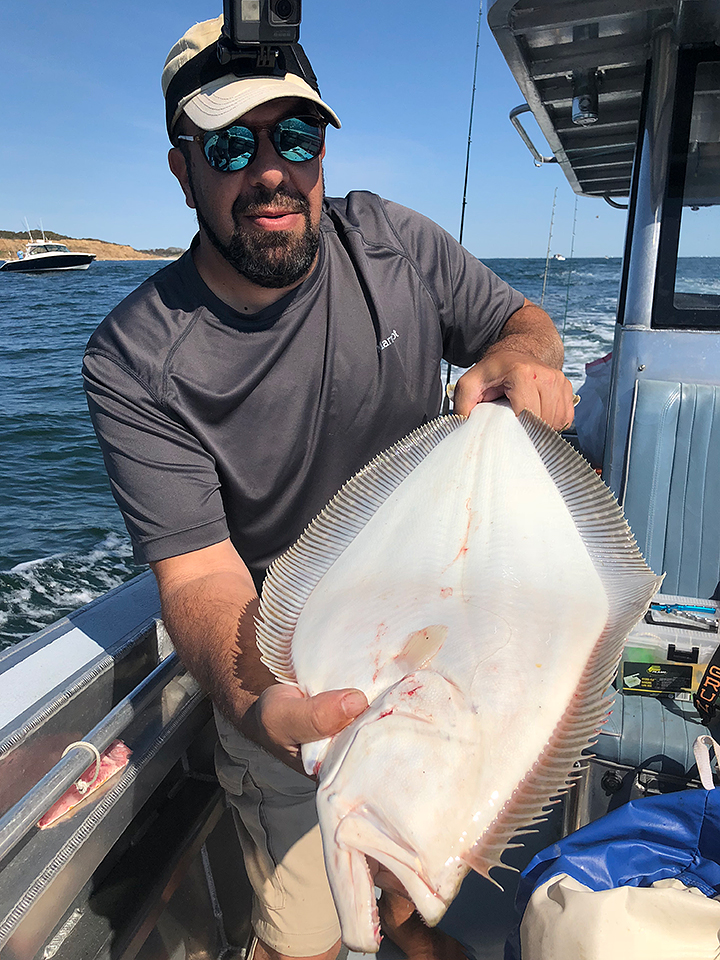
x=35 y=593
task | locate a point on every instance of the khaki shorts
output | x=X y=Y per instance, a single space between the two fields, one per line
x=276 y=820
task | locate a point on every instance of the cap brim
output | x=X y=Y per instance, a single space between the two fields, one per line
x=225 y=100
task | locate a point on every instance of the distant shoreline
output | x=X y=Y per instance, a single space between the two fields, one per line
x=11 y=242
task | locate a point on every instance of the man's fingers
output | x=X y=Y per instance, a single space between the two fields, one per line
x=527 y=385
x=554 y=407
x=556 y=404
x=287 y=718
x=523 y=396
x=327 y=713
x=467 y=394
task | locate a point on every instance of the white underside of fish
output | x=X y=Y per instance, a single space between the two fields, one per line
x=476 y=582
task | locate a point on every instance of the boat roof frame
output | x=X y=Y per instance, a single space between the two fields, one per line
x=544 y=41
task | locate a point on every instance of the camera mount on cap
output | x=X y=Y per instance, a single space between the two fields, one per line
x=260 y=38
x=263 y=44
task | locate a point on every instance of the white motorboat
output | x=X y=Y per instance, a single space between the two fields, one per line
x=625 y=93
x=45 y=256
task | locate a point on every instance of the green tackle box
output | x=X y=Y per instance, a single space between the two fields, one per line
x=646 y=745
x=667 y=653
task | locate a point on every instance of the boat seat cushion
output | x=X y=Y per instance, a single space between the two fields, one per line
x=672 y=483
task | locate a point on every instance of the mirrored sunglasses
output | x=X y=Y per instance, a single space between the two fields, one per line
x=296 y=139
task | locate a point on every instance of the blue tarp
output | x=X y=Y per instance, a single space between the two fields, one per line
x=672 y=836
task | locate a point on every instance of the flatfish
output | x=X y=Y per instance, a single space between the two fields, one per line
x=476 y=581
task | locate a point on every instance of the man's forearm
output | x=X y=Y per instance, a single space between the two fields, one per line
x=211 y=623
x=531 y=331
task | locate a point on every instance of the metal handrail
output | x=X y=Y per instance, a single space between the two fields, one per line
x=26 y=812
x=538 y=158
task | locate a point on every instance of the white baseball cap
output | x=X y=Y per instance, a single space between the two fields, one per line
x=211 y=94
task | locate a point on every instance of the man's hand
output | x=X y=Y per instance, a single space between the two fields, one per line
x=527 y=383
x=282 y=718
x=524 y=365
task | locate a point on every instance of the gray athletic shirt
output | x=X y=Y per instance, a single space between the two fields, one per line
x=215 y=424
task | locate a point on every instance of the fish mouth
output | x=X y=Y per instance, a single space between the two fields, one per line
x=384 y=879
x=362 y=857
x=364 y=832
x=349 y=874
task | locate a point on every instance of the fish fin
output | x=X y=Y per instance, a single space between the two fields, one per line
x=629 y=585
x=294 y=575
x=420 y=647
x=483 y=866
x=494 y=882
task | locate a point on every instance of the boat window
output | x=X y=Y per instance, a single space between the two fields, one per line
x=696 y=282
x=688 y=292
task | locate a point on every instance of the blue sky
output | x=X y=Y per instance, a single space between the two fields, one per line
x=84 y=145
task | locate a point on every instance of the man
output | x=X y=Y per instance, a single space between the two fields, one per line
x=236 y=390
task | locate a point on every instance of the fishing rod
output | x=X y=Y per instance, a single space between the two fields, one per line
x=446 y=401
x=547 y=256
x=470 y=125
x=570 y=270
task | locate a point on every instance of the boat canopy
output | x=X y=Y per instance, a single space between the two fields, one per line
x=582 y=68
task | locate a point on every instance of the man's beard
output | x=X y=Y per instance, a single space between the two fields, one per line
x=273 y=259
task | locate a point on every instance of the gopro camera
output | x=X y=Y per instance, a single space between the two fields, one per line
x=271 y=22
x=260 y=38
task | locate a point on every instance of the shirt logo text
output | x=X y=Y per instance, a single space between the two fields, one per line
x=388 y=340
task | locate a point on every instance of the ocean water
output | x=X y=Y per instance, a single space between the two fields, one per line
x=62 y=541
